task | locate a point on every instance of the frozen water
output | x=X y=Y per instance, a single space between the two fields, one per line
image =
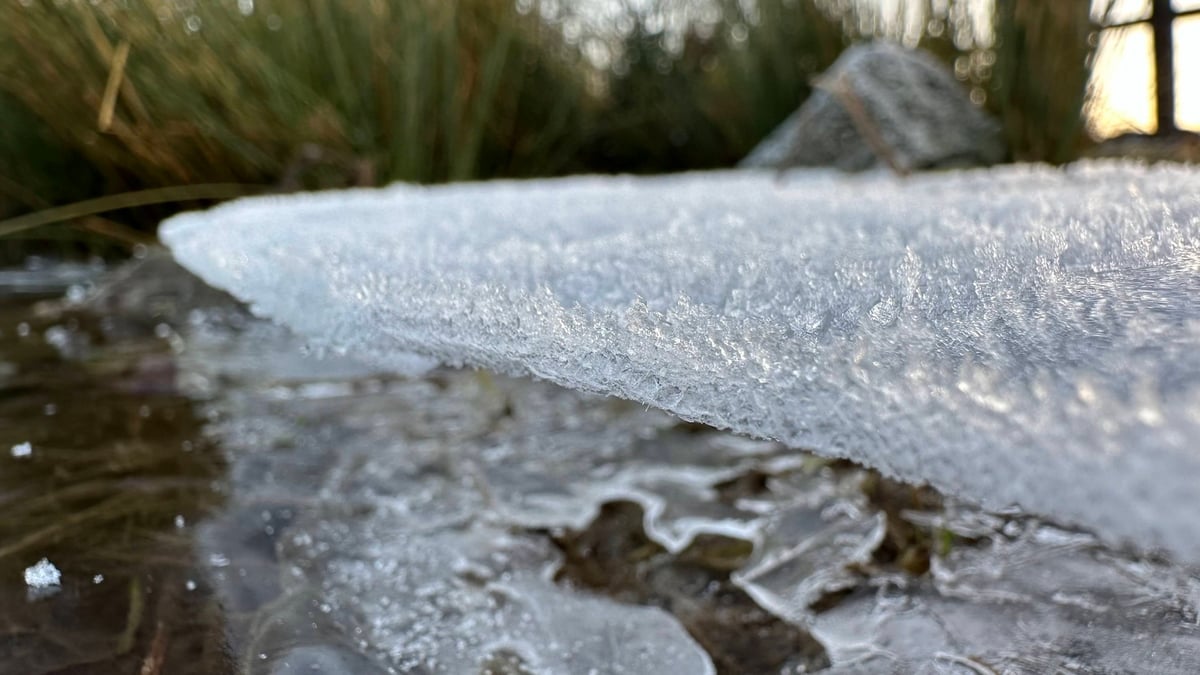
x=378 y=523
x=453 y=601
x=40 y=278
x=42 y=575
x=1024 y=335
x=22 y=450
x=1044 y=601
x=806 y=554
x=395 y=509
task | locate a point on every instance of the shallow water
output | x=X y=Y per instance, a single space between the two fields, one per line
x=219 y=501
x=117 y=456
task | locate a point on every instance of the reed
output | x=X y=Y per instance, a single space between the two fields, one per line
x=325 y=93
x=104 y=97
x=1042 y=75
x=696 y=88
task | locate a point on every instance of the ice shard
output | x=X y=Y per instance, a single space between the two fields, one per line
x=1025 y=335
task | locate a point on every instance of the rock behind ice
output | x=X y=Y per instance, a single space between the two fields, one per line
x=883 y=105
x=1023 y=335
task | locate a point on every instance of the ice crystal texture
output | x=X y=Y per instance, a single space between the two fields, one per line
x=377 y=524
x=1043 y=601
x=42 y=575
x=1024 y=335
x=410 y=537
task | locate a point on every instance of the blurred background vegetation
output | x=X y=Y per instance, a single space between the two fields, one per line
x=228 y=97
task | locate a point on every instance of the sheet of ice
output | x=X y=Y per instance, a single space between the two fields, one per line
x=1024 y=335
x=388 y=513
x=806 y=553
x=451 y=602
x=377 y=523
x=409 y=516
x=41 y=277
x=1042 y=600
x=410 y=542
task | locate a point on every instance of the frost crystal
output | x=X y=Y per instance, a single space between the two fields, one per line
x=22 y=450
x=42 y=575
x=421 y=543
x=1024 y=335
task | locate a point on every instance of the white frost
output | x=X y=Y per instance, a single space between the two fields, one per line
x=42 y=575
x=22 y=450
x=1023 y=335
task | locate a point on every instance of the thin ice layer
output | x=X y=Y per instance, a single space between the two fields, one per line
x=1024 y=335
x=1040 y=600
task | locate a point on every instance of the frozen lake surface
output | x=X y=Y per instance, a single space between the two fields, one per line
x=1024 y=335
x=253 y=509
x=457 y=522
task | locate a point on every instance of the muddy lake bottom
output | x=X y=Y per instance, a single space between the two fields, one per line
x=217 y=499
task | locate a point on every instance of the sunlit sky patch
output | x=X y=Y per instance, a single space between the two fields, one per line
x=1124 y=79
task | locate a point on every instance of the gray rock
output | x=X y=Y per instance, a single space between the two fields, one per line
x=881 y=104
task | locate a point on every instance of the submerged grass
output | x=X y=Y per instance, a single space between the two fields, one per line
x=118 y=464
x=91 y=498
